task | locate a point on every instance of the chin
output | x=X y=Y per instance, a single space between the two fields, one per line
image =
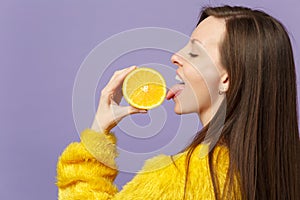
x=177 y=109
x=180 y=110
x=177 y=112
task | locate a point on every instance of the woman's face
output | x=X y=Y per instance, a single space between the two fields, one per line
x=200 y=70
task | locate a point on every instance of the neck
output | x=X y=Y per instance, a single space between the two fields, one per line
x=207 y=114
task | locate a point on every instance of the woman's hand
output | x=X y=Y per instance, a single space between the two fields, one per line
x=109 y=112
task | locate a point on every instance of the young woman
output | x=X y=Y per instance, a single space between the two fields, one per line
x=239 y=70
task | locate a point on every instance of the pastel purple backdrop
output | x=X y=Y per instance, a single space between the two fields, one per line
x=43 y=44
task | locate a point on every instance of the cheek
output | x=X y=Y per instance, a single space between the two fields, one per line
x=210 y=75
x=204 y=83
x=202 y=92
x=203 y=69
x=212 y=80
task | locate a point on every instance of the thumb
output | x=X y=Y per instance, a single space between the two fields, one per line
x=120 y=112
x=133 y=110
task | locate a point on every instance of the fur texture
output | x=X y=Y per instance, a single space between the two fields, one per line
x=86 y=170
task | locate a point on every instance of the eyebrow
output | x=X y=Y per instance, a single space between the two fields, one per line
x=197 y=42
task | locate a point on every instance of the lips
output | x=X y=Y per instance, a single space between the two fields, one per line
x=176 y=89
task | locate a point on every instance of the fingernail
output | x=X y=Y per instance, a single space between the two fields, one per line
x=143 y=111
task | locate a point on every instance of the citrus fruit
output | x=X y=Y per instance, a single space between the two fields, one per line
x=144 y=88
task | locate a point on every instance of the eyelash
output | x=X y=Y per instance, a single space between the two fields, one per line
x=193 y=55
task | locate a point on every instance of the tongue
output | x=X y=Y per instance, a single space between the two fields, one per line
x=174 y=91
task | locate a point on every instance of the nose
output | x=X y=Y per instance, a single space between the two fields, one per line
x=176 y=60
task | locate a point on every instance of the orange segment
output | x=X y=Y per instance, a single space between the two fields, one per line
x=144 y=88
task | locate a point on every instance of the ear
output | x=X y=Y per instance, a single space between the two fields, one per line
x=224 y=83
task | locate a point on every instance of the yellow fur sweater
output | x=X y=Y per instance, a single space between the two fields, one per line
x=86 y=170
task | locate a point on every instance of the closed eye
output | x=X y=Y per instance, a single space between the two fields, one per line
x=193 y=55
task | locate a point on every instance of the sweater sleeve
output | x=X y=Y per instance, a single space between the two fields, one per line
x=86 y=170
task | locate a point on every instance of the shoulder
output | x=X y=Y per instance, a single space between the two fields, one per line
x=198 y=157
x=165 y=176
x=199 y=171
x=163 y=162
x=200 y=161
x=158 y=179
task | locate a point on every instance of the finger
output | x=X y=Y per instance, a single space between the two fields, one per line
x=133 y=110
x=118 y=78
x=118 y=94
x=113 y=88
x=120 y=112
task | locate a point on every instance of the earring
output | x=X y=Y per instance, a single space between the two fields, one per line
x=222 y=91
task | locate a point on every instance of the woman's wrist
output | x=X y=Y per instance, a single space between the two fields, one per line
x=96 y=126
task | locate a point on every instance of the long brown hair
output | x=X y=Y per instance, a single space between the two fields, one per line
x=260 y=128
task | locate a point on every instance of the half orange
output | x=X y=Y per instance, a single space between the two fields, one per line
x=144 y=88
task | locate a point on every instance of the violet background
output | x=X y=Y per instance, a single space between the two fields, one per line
x=42 y=45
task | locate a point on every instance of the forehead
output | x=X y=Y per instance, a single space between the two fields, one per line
x=210 y=32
